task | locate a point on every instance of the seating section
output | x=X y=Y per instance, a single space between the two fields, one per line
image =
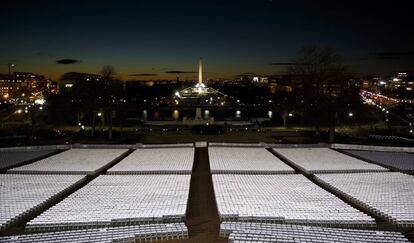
x=23 y=194
x=136 y=233
x=262 y=232
x=389 y=195
x=144 y=196
x=14 y=158
x=282 y=198
x=111 y=200
x=398 y=160
x=228 y=160
x=325 y=160
x=73 y=161
x=156 y=161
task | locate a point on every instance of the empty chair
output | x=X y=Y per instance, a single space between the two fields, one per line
x=119 y=200
x=136 y=233
x=245 y=160
x=282 y=198
x=22 y=194
x=398 y=160
x=388 y=195
x=156 y=161
x=73 y=161
x=325 y=160
x=263 y=232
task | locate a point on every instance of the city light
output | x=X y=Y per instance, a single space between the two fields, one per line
x=238 y=114
x=290 y=114
x=350 y=114
x=99 y=114
x=270 y=114
x=40 y=101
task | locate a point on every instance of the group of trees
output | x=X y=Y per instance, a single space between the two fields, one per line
x=326 y=96
x=89 y=98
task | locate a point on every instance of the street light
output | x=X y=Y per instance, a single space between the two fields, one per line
x=350 y=114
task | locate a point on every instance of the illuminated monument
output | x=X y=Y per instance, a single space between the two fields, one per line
x=200 y=94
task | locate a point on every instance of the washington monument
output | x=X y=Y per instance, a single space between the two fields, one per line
x=200 y=71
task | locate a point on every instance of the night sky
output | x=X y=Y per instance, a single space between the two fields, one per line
x=147 y=39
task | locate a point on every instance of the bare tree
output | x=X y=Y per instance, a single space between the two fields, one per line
x=318 y=68
x=108 y=73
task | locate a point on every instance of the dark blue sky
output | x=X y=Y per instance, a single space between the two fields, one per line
x=233 y=37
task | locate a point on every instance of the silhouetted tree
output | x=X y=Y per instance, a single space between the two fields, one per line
x=111 y=94
x=319 y=69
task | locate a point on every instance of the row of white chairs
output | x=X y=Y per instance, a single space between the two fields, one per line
x=398 y=160
x=16 y=157
x=282 y=198
x=136 y=233
x=156 y=161
x=20 y=195
x=263 y=232
x=388 y=195
x=325 y=160
x=119 y=200
x=73 y=161
x=239 y=160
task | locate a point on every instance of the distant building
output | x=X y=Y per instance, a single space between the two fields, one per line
x=23 y=87
x=401 y=82
x=68 y=80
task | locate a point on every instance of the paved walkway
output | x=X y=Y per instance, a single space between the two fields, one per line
x=202 y=220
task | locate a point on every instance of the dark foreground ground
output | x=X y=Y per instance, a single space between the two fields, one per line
x=297 y=135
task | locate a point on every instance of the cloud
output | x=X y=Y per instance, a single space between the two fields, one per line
x=68 y=61
x=244 y=74
x=178 y=72
x=285 y=64
x=392 y=55
x=43 y=54
x=143 y=74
